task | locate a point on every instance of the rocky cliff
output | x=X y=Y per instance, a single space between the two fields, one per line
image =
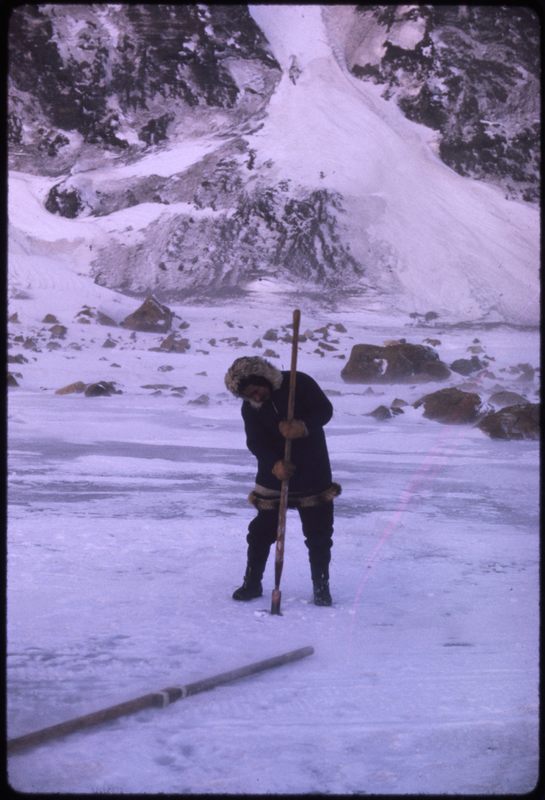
x=212 y=146
x=84 y=79
x=471 y=73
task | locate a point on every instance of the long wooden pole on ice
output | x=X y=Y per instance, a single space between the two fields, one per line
x=284 y=486
x=159 y=699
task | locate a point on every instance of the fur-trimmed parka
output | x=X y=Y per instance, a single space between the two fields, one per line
x=309 y=454
x=243 y=368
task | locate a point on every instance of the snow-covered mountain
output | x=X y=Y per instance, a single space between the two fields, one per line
x=194 y=148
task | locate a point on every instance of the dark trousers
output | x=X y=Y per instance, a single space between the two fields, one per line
x=317 y=523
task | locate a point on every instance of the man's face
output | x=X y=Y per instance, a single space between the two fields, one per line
x=256 y=395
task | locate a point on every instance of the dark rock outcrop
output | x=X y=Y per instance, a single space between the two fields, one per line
x=174 y=344
x=122 y=73
x=151 y=317
x=463 y=71
x=451 y=405
x=17 y=359
x=465 y=366
x=101 y=389
x=513 y=422
x=72 y=388
x=395 y=363
x=383 y=412
x=98 y=389
x=66 y=202
x=58 y=331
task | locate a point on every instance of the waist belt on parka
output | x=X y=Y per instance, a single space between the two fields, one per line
x=269 y=499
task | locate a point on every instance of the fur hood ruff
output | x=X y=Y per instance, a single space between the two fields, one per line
x=245 y=366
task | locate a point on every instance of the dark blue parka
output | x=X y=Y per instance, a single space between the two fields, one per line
x=309 y=454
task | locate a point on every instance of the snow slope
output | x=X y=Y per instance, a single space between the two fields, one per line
x=447 y=239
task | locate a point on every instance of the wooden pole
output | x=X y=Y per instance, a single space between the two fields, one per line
x=283 y=505
x=159 y=699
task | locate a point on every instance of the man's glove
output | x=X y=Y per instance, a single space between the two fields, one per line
x=296 y=429
x=283 y=470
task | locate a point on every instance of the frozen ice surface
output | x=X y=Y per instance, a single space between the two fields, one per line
x=126 y=537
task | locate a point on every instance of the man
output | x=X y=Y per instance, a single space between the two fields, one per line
x=264 y=390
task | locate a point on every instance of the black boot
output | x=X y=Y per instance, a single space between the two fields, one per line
x=322 y=596
x=251 y=586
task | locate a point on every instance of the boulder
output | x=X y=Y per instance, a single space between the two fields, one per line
x=84 y=314
x=451 y=406
x=380 y=413
x=58 y=331
x=101 y=389
x=173 y=344
x=201 y=400
x=151 y=317
x=396 y=363
x=50 y=319
x=383 y=412
x=72 y=388
x=427 y=317
x=513 y=422
x=505 y=398
x=326 y=346
x=465 y=366
x=30 y=343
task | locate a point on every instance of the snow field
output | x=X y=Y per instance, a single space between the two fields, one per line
x=424 y=676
